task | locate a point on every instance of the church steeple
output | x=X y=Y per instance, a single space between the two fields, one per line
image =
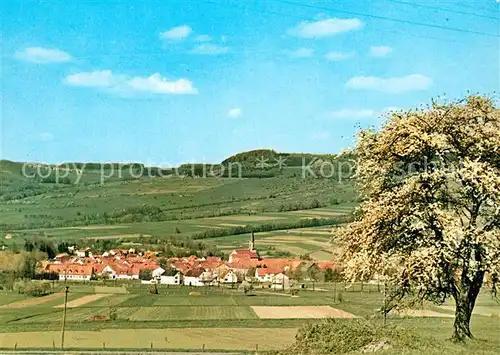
x=251 y=243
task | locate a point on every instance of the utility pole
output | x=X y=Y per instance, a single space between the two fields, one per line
x=385 y=303
x=64 y=316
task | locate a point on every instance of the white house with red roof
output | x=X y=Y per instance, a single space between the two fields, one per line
x=72 y=272
x=193 y=277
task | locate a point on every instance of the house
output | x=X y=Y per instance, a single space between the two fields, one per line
x=62 y=258
x=177 y=279
x=266 y=274
x=229 y=277
x=157 y=272
x=242 y=266
x=262 y=275
x=193 y=277
x=72 y=272
x=280 y=282
x=84 y=253
x=243 y=254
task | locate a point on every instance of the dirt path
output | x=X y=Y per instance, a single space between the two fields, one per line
x=33 y=301
x=83 y=300
x=302 y=312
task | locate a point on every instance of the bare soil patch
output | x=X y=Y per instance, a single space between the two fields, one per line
x=291 y=312
x=33 y=301
x=94 y=227
x=420 y=313
x=316 y=232
x=83 y=300
x=246 y=218
x=318 y=213
x=479 y=310
x=232 y=225
x=185 y=338
x=291 y=238
x=117 y=236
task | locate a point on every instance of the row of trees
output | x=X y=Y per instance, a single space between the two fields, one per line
x=17 y=266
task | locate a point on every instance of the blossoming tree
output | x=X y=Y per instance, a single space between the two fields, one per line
x=430 y=223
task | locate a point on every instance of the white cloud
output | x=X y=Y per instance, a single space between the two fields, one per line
x=338 y=56
x=153 y=84
x=45 y=136
x=390 y=85
x=209 y=49
x=235 y=112
x=361 y=113
x=43 y=55
x=102 y=78
x=203 y=38
x=380 y=51
x=325 y=28
x=302 y=52
x=176 y=33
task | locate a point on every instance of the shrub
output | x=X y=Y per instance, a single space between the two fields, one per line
x=33 y=288
x=341 y=336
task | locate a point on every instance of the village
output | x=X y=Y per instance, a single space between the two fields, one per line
x=243 y=265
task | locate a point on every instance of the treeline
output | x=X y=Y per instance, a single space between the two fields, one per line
x=302 y=223
x=269 y=156
x=20 y=190
x=44 y=248
x=18 y=265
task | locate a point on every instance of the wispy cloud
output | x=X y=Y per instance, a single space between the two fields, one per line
x=412 y=82
x=380 y=51
x=338 y=56
x=43 y=55
x=209 y=49
x=203 y=38
x=102 y=79
x=153 y=84
x=302 y=53
x=176 y=33
x=325 y=28
x=360 y=113
x=235 y=112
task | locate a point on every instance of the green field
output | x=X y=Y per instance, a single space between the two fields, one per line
x=180 y=313
x=126 y=210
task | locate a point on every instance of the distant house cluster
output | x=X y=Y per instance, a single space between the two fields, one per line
x=122 y=264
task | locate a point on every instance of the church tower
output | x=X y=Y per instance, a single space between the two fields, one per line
x=251 y=244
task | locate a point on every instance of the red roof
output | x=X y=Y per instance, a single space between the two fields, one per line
x=242 y=264
x=262 y=271
x=195 y=272
x=71 y=269
x=325 y=264
x=244 y=253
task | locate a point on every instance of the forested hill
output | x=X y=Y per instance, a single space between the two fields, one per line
x=252 y=157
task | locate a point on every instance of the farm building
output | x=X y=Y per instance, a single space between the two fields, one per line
x=177 y=279
x=72 y=272
x=280 y=282
x=229 y=277
x=193 y=277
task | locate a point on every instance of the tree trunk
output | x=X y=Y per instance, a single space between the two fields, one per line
x=465 y=300
x=463 y=313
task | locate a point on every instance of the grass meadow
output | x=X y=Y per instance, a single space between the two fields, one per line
x=177 y=319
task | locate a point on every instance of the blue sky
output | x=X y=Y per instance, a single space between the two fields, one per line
x=164 y=82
